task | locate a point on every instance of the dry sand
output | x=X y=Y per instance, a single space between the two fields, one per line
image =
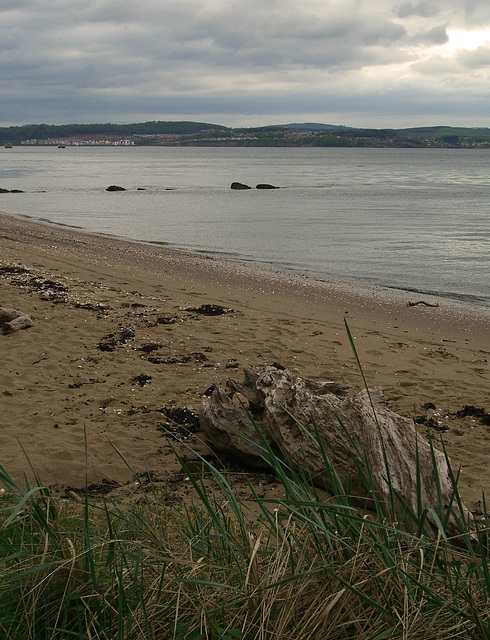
x=87 y=294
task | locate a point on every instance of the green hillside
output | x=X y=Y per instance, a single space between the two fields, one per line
x=439 y=132
x=206 y=134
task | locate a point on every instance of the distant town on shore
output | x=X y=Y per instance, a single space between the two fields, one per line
x=160 y=133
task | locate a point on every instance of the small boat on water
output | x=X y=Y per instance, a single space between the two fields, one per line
x=7 y=145
x=61 y=146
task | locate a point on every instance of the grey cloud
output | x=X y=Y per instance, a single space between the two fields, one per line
x=434 y=36
x=437 y=35
x=478 y=58
x=421 y=9
x=336 y=41
x=210 y=56
x=383 y=34
x=461 y=13
x=475 y=14
x=402 y=103
x=440 y=68
x=473 y=6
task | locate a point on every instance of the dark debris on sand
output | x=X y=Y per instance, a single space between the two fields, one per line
x=431 y=423
x=142 y=379
x=209 y=310
x=182 y=422
x=196 y=357
x=474 y=412
x=113 y=340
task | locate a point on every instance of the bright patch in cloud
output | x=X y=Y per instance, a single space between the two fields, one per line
x=468 y=40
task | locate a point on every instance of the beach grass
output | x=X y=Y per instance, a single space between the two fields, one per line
x=303 y=568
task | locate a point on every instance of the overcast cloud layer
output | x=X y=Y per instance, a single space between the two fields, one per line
x=377 y=63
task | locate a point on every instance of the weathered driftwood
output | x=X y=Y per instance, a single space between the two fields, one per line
x=274 y=396
x=12 y=320
x=427 y=304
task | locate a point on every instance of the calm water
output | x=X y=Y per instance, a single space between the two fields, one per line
x=405 y=218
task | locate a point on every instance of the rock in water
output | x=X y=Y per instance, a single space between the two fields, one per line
x=347 y=427
x=239 y=186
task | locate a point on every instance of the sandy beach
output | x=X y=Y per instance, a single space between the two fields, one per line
x=122 y=349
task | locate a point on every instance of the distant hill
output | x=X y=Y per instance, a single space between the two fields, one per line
x=19 y=134
x=313 y=126
x=415 y=132
x=439 y=132
x=207 y=134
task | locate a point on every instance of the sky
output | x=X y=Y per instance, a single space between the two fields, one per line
x=366 y=63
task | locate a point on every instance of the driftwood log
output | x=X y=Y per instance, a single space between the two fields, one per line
x=12 y=320
x=427 y=304
x=274 y=396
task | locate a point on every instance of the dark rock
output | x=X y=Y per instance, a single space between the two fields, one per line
x=12 y=320
x=239 y=186
x=115 y=187
x=266 y=186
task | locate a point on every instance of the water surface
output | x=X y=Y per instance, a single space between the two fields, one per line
x=414 y=219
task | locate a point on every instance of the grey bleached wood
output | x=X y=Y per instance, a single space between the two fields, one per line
x=279 y=399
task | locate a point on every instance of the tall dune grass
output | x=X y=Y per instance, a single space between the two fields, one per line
x=306 y=568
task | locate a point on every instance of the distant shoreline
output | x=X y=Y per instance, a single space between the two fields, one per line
x=207 y=134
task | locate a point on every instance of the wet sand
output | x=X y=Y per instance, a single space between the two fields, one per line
x=120 y=347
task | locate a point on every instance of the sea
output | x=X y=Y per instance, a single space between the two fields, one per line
x=409 y=219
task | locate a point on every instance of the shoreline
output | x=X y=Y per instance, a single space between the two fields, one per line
x=290 y=277
x=55 y=382
x=471 y=304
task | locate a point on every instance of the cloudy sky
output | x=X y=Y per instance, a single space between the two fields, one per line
x=379 y=63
